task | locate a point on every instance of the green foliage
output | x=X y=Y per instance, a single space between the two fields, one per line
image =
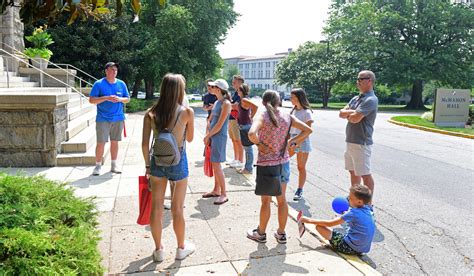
x=405 y=42
x=136 y=105
x=40 y=39
x=45 y=229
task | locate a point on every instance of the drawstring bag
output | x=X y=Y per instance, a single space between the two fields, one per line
x=207 y=162
x=144 y=200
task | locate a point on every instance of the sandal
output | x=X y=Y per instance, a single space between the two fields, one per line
x=210 y=194
x=221 y=200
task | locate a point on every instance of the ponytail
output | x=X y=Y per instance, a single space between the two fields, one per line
x=271 y=100
x=271 y=113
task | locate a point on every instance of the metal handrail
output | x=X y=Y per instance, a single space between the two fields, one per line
x=77 y=69
x=57 y=66
x=41 y=74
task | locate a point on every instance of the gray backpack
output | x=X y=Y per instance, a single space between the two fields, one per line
x=165 y=148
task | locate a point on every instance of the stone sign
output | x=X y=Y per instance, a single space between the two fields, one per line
x=451 y=107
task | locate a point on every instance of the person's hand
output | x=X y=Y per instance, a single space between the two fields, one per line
x=114 y=99
x=206 y=140
x=148 y=172
x=292 y=149
x=264 y=148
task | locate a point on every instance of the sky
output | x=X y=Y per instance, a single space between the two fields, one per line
x=266 y=27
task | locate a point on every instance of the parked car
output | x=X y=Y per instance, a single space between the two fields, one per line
x=141 y=95
x=194 y=97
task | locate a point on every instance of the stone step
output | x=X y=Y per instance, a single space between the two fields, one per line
x=10 y=73
x=77 y=125
x=13 y=79
x=18 y=84
x=79 y=159
x=75 y=101
x=81 y=142
x=29 y=90
x=77 y=111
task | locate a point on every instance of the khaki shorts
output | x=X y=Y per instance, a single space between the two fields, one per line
x=234 y=131
x=106 y=129
x=357 y=158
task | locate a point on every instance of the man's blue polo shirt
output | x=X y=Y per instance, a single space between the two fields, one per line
x=108 y=111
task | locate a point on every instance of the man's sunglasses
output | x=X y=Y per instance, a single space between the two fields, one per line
x=361 y=79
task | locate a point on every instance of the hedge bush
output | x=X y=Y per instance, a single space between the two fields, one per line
x=136 y=105
x=45 y=229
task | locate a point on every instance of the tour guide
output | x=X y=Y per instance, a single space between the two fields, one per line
x=109 y=94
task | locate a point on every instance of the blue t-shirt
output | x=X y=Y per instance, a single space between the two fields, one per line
x=361 y=230
x=235 y=99
x=208 y=99
x=108 y=111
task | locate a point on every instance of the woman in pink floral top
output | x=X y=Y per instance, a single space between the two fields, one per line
x=269 y=132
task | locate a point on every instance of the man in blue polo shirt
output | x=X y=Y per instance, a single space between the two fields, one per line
x=109 y=94
x=360 y=113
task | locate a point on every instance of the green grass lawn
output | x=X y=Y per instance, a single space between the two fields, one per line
x=416 y=120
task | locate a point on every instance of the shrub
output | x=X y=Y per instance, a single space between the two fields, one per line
x=427 y=116
x=45 y=229
x=136 y=105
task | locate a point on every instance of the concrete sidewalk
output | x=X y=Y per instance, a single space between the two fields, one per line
x=219 y=232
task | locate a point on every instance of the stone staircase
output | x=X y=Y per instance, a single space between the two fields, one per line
x=79 y=145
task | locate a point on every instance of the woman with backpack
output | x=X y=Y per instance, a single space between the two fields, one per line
x=247 y=110
x=168 y=115
x=270 y=131
x=301 y=110
x=217 y=138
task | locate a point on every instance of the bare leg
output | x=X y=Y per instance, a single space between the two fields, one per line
x=220 y=180
x=114 y=150
x=177 y=205
x=240 y=150
x=264 y=213
x=301 y=159
x=369 y=182
x=326 y=232
x=99 y=152
x=158 y=188
x=355 y=179
x=282 y=209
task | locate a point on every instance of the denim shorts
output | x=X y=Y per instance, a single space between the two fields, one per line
x=305 y=146
x=173 y=173
x=285 y=172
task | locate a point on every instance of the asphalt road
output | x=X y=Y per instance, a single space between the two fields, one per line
x=424 y=186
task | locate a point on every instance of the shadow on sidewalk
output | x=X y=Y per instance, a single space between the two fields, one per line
x=236 y=179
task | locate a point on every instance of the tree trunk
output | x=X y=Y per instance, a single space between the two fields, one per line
x=326 y=95
x=149 y=89
x=416 y=101
x=136 y=85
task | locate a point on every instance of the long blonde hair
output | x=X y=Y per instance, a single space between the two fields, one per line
x=271 y=101
x=172 y=90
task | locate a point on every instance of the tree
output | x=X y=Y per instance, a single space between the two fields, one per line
x=312 y=67
x=406 y=42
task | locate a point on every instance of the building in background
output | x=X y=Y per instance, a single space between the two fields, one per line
x=259 y=72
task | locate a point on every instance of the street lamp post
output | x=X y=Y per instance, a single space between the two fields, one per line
x=326 y=83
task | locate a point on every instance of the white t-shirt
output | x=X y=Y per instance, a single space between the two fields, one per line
x=303 y=115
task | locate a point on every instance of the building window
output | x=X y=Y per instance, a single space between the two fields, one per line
x=253 y=65
x=260 y=64
x=259 y=85
x=241 y=67
x=246 y=66
x=267 y=74
x=253 y=74
x=267 y=64
x=252 y=85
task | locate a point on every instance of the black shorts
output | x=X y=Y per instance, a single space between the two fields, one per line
x=338 y=243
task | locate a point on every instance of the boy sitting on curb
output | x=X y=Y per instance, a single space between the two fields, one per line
x=361 y=226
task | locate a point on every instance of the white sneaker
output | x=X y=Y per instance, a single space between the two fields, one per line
x=158 y=255
x=96 y=170
x=115 y=169
x=230 y=162
x=235 y=164
x=189 y=248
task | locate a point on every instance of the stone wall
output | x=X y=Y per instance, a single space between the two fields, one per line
x=32 y=128
x=11 y=30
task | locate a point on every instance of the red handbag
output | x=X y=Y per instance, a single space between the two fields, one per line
x=144 y=200
x=207 y=162
x=234 y=113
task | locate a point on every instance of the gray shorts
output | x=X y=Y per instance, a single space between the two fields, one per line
x=106 y=129
x=357 y=158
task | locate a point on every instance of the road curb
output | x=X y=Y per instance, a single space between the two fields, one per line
x=451 y=133
x=353 y=260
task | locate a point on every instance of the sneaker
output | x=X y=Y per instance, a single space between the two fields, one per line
x=254 y=235
x=298 y=194
x=96 y=170
x=235 y=164
x=244 y=171
x=230 y=162
x=158 y=255
x=115 y=169
x=189 y=248
x=238 y=165
x=280 y=237
x=167 y=206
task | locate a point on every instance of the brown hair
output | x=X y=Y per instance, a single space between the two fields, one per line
x=172 y=90
x=271 y=101
x=239 y=78
x=245 y=89
x=301 y=95
x=361 y=192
